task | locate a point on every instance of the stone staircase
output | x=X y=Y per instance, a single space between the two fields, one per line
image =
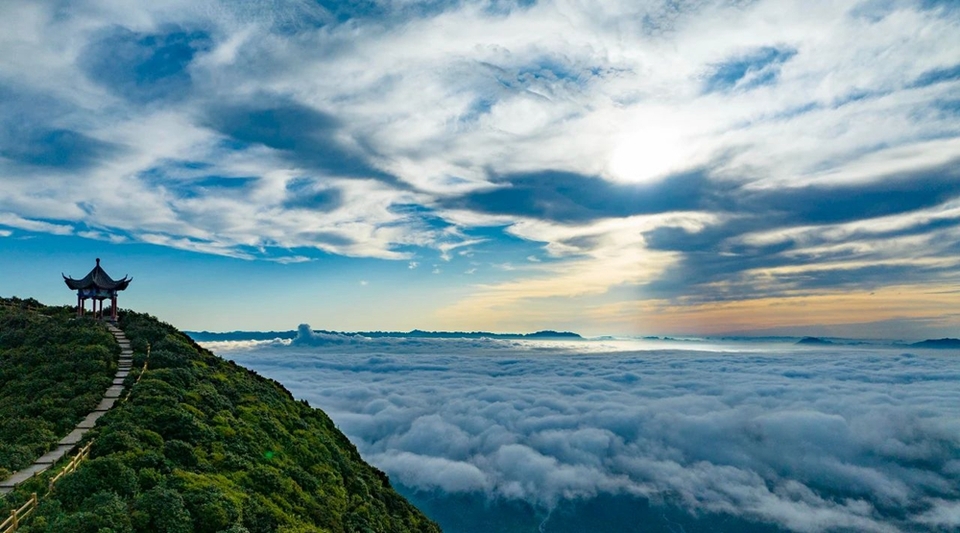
x=68 y=443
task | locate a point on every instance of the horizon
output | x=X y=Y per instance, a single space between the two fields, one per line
x=679 y=337
x=776 y=333
x=703 y=169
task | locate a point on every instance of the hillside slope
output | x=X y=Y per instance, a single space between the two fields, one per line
x=204 y=445
x=53 y=371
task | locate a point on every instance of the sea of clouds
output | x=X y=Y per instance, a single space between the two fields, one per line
x=863 y=438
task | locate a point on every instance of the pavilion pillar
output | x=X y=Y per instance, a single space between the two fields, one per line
x=79 y=303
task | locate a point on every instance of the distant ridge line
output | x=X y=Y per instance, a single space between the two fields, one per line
x=208 y=336
x=947 y=344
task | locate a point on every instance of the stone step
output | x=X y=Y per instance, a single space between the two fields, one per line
x=66 y=444
x=91 y=420
x=74 y=436
x=55 y=454
x=105 y=404
x=23 y=475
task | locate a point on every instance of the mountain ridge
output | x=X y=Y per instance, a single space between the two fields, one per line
x=209 y=336
x=205 y=445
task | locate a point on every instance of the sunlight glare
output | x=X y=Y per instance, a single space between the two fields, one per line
x=650 y=147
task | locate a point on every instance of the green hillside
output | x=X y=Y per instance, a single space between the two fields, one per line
x=53 y=371
x=205 y=445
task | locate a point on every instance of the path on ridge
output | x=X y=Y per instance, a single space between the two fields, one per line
x=110 y=397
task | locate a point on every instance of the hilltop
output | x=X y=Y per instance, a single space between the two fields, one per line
x=946 y=344
x=204 y=445
x=814 y=340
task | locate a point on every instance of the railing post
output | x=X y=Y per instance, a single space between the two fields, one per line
x=16 y=523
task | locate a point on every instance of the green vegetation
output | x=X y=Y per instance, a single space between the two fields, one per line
x=204 y=445
x=53 y=371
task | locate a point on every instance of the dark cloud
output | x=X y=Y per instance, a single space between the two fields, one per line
x=187 y=180
x=30 y=134
x=328 y=237
x=938 y=75
x=825 y=204
x=306 y=136
x=570 y=197
x=310 y=194
x=716 y=253
x=223 y=182
x=55 y=148
x=144 y=67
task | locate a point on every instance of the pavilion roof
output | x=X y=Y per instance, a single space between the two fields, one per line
x=99 y=279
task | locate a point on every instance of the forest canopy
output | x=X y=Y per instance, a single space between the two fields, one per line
x=204 y=445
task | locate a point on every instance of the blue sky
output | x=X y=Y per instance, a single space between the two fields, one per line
x=607 y=167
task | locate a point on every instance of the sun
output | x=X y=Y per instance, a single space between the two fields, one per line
x=651 y=146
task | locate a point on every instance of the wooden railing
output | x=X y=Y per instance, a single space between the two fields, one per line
x=139 y=376
x=71 y=466
x=18 y=515
x=11 y=524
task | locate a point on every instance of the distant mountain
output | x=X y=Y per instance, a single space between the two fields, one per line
x=207 y=336
x=814 y=340
x=944 y=344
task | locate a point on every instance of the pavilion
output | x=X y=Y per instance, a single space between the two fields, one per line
x=97 y=286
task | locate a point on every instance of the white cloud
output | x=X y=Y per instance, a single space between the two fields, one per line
x=860 y=438
x=458 y=101
x=14 y=221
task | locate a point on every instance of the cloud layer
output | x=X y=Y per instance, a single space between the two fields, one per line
x=809 y=439
x=701 y=150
